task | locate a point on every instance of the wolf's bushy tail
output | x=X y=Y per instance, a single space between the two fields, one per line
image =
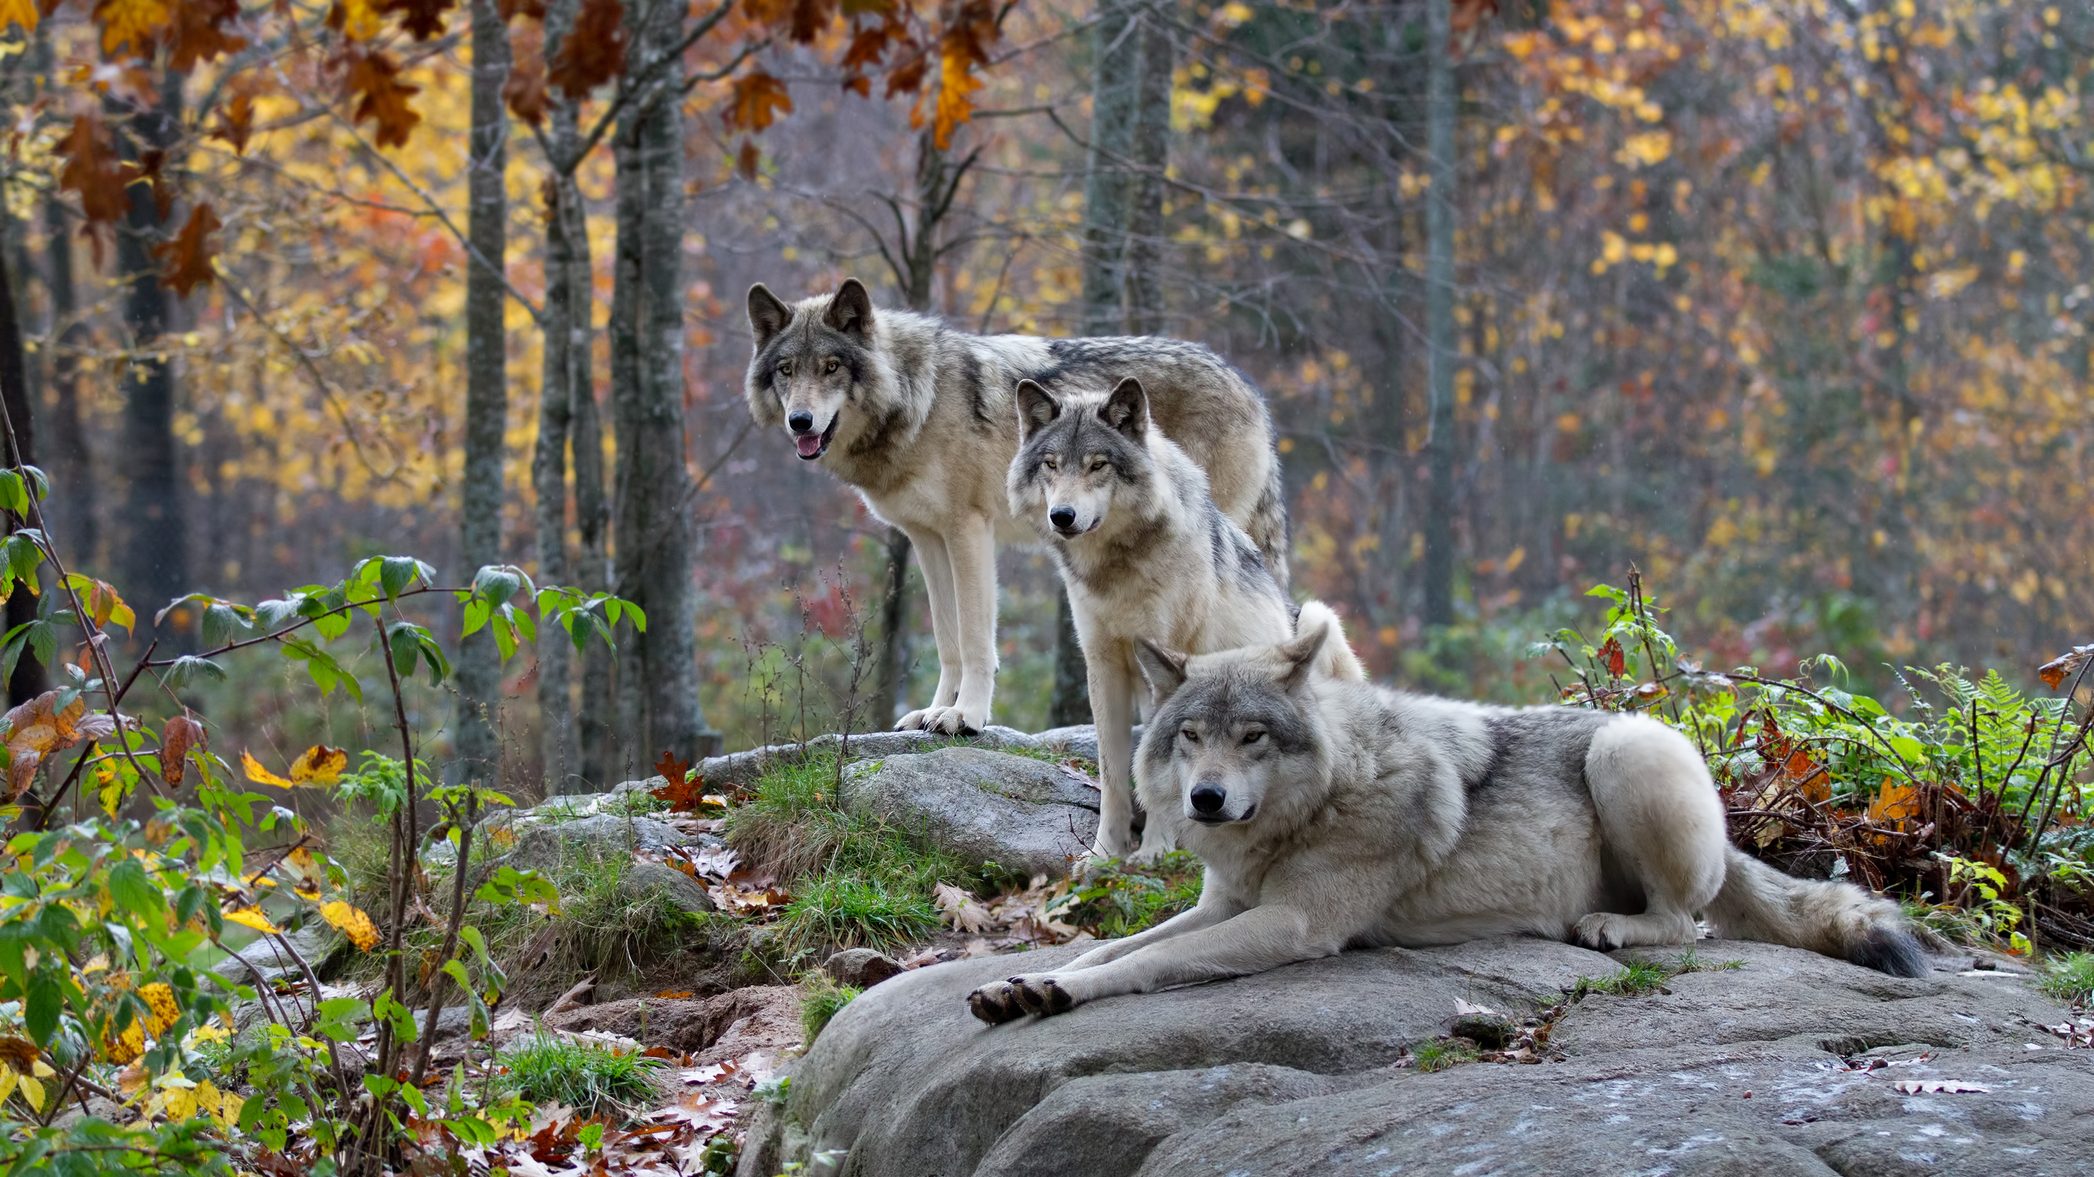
x=1840 y=920
x=1337 y=660
x=1267 y=525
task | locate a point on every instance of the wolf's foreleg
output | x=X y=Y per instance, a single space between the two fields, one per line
x=1259 y=939
x=1112 y=708
x=936 y=562
x=971 y=545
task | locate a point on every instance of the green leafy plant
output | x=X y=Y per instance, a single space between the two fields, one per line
x=593 y=1079
x=142 y=857
x=2070 y=977
x=1117 y=899
x=821 y=999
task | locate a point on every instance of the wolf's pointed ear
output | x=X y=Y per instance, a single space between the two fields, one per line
x=767 y=316
x=1037 y=407
x=1127 y=409
x=851 y=311
x=1297 y=657
x=1164 y=669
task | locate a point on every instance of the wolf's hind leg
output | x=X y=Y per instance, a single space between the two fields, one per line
x=1661 y=820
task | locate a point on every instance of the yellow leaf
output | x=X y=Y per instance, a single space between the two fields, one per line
x=33 y=1091
x=262 y=776
x=132 y=24
x=160 y=999
x=20 y=13
x=251 y=917
x=352 y=922
x=8 y=1081
x=320 y=765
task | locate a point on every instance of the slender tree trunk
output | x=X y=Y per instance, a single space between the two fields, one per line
x=72 y=468
x=655 y=548
x=486 y=381
x=564 y=380
x=153 y=560
x=1148 y=143
x=29 y=679
x=1439 y=313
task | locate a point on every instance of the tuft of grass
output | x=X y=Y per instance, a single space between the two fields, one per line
x=856 y=880
x=1118 y=899
x=635 y=803
x=1441 y=1053
x=595 y=1080
x=821 y=999
x=1691 y=961
x=2070 y=977
x=1634 y=980
x=831 y=912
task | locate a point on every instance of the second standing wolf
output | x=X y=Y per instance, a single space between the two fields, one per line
x=1145 y=554
x=918 y=418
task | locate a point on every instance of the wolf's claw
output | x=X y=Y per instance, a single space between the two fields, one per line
x=995 y=1003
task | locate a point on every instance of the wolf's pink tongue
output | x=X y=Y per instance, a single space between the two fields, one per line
x=810 y=444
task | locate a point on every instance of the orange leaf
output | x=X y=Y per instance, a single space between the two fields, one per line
x=1894 y=804
x=381 y=97
x=1617 y=659
x=187 y=258
x=524 y=92
x=758 y=99
x=20 y=14
x=352 y=923
x=130 y=25
x=176 y=738
x=92 y=170
x=2054 y=672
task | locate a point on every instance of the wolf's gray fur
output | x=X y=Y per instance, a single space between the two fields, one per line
x=1334 y=814
x=1144 y=553
x=918 y=418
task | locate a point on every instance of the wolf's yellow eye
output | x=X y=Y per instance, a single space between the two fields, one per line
x=1097 y=464
x=785 y=368
x=1253 y=736
x=1188 y=735
x=829 y=369
x=1051 y=462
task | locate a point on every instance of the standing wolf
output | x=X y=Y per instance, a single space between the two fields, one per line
x=918 y=418
x=1144 y=553
x=1335 y=813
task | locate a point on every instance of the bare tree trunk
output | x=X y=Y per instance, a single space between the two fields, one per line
x=71 y=463
x=655 y=549
x=564 y=380
x=1149 y=152
x=29 y=679
x=1439 y=313
x=486 y=381
x=153 y=560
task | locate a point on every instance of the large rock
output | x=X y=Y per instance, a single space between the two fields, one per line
x=1027 y=816
x=1733 y=1070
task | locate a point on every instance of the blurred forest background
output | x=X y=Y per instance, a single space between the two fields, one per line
x=1786 y=302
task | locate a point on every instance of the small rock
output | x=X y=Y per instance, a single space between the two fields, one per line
x=644 y=879
x=541 y=843
x=861 y=968
x=1487 y=1031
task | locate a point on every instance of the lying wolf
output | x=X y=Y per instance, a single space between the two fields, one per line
x=1333 y=814
x=1144 y=553
x=918 y=418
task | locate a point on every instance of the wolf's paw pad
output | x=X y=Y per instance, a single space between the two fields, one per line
x=1601 y=932
x=996 y=1003
x=1041 y=995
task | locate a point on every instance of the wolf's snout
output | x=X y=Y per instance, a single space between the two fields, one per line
x=1208 y=799
x=801 y=421
x=1063 y=518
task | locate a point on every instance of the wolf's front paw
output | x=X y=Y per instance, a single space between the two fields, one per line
x=1601 y=931
x=1004 y=1001
x=954 y=721
x=1111 y=844
x=917 y=720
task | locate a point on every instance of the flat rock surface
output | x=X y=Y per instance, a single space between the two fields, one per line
x=1786 y=1063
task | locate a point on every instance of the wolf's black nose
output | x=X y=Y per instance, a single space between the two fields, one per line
x=1062 y=517
x=1208 y=798
x=801 y=421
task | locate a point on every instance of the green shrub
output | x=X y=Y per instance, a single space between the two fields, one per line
x=2070 y=977
x=821 y=999
x=1119 y=899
